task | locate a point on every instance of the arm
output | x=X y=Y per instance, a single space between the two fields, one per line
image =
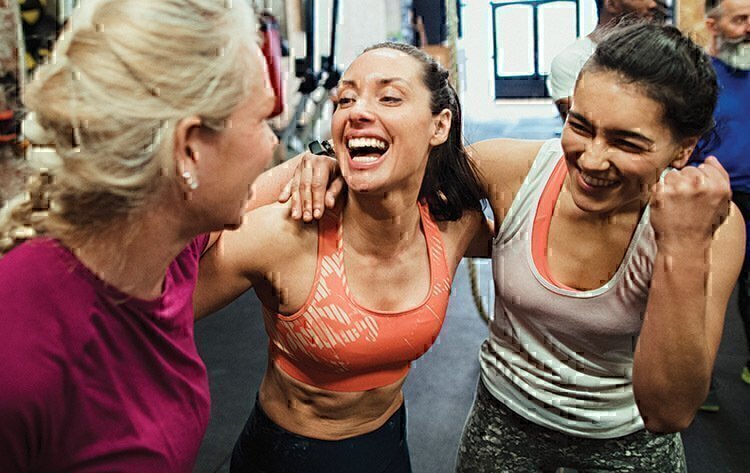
x=694 y=273
x=238 y=258
x=503 y=165
x=303 y=179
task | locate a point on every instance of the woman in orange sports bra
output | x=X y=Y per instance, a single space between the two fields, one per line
x=350 y=301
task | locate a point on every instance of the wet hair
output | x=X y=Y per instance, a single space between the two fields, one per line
x=122 y=76
x=451 y=183
x=669 y=68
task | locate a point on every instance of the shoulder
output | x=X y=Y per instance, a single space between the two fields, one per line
x=515 y=156
x=504 y=163
x=43 y=314
x=266 y=234
x=39 y=275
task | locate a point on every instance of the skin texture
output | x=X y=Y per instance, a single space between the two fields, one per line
x=385 y=254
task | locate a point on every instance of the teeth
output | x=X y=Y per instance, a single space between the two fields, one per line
x=592 y=181
x=364 y=159
x=367 y=143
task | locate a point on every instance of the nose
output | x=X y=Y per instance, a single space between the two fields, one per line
x=360 y=112
x=594 y=157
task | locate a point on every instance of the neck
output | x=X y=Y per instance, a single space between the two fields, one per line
x=134 y=259
x=381 y=225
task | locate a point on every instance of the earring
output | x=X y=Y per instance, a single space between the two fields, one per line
x=191 y=183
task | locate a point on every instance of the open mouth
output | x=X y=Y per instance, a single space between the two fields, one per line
x=597 y=182
x=366 y=150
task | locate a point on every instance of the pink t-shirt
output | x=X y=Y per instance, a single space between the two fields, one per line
x=92 y=380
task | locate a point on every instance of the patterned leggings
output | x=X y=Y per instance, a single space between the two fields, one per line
x=495 y=440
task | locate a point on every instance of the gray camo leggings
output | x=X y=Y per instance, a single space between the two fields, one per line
x=496 y=440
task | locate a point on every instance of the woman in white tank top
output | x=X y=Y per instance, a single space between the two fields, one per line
x=612 y=271
x=613 y=264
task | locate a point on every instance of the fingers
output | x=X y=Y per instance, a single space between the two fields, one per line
x=309 y=191
x=296 y=206
x=713 y=167
x=334 y=190
x=286 y=192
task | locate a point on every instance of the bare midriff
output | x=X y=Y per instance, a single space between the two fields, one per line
x=322 y=414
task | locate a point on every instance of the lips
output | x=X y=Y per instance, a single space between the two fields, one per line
x=366 y=151
x=596 y=181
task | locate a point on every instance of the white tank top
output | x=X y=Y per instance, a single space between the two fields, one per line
x=563 y=358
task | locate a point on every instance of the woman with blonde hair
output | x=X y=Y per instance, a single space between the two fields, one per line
x=157 y=115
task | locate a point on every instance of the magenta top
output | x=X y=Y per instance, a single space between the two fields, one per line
x=92 y=380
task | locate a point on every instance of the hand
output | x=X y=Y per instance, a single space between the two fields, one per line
x=316 y=184
x=688 y=205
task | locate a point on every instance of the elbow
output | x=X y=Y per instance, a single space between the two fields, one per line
x=667 y=423
x=664 y=416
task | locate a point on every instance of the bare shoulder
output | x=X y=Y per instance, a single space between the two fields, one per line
x=503 y=165
x=267 y=235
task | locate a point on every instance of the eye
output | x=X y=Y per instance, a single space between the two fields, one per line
x=344 y=101
x=578 y=127
x=628 y=146
x=391 y=99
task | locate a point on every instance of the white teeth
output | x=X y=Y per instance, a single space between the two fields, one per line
x=364 y=159
x=592 y=181
x=367 y=143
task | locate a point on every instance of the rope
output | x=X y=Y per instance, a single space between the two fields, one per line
x=474 y=280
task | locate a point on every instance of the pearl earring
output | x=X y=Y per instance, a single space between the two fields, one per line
x=191 y=183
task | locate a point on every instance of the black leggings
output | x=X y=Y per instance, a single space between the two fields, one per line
x=265 y=447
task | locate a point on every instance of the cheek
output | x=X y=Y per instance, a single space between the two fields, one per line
x=570 y=141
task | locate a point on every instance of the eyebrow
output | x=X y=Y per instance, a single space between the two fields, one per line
x=381 y=82
x=619 y=133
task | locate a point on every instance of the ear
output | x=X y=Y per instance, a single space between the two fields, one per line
x=612 y=7
x=186 y=145
x=711 y=25
x=442 y=122
x=684 y=152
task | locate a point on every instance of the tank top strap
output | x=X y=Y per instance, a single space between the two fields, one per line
x=329 y=233
x=435 y=246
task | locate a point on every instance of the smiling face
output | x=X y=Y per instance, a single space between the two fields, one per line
x=616 y=145
x=383 y=128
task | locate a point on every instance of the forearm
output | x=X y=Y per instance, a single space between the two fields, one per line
x=673 y=358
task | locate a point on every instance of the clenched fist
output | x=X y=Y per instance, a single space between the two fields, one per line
x=688 y=205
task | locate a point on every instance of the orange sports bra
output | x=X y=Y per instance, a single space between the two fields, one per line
x=334 y=343
x=543 y=221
